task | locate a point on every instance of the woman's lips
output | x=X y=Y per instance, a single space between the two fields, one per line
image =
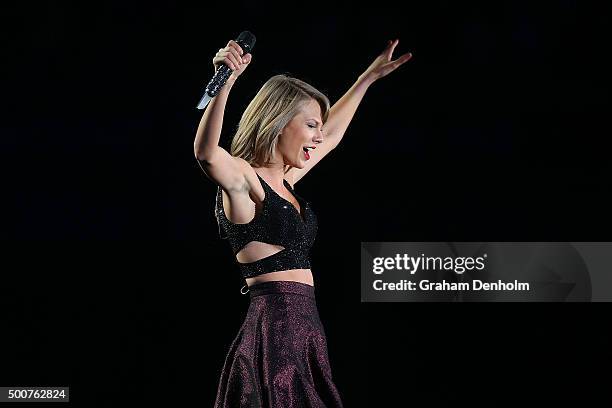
x=306 y=153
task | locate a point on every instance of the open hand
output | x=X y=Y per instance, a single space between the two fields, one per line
x=383 y=65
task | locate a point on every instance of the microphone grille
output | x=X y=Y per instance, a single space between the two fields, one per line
x=246 y=39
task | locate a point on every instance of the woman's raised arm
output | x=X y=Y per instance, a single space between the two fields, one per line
x=216 y=162
x=342 y=112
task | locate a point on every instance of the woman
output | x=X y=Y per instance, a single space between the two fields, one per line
x=279 y=357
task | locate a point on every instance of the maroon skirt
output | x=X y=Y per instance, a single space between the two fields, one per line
x=279 y=357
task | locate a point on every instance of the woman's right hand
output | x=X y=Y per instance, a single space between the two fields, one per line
x=232 y=56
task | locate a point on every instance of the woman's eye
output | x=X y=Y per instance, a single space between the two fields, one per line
x=311 y=126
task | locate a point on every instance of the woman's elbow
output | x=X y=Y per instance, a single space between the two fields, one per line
x=203 y=155
x=199 y=152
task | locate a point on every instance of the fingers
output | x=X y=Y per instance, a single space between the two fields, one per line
x=235 y=46
x=404 y=58
x=391 y=44
x=243 y=62
x=393 y=65
x=230 y=57
x=235 y=57
x=235 y=49
x=226 y=58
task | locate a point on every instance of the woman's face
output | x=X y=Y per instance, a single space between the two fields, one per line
x=303 y=131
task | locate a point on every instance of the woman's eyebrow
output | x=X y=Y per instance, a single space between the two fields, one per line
x=319 y=122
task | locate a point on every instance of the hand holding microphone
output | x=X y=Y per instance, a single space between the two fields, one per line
x=230 y=62
x=233 y=57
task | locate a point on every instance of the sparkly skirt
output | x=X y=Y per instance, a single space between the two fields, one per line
x=279 y=357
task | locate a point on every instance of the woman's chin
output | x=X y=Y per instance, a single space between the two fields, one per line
x=300 y=163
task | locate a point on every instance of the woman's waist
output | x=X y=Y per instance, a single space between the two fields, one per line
x=283 y=290
x=294 y=275
x=287 y=262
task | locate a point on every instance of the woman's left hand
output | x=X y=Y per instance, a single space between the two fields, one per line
x=383 y=65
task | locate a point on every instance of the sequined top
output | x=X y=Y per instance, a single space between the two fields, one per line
x=279 y=223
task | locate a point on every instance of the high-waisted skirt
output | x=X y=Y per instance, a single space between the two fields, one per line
x=279 y=358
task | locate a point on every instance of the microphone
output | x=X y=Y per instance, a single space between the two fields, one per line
x=246 y=40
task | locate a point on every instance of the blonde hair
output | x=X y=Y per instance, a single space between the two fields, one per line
x=276 y=103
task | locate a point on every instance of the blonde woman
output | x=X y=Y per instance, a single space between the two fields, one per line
x=279 y=357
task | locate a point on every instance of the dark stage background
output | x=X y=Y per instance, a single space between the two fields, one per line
x=115 y=280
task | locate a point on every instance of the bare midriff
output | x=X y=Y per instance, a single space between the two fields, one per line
x=296 y=275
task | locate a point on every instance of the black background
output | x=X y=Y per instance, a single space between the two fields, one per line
x=115 y=281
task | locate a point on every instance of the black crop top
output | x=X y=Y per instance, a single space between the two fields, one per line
x=278 y=223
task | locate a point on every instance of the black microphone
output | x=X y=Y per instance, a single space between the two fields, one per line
x=246 y=40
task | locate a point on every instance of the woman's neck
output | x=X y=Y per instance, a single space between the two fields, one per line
x=273 y=172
